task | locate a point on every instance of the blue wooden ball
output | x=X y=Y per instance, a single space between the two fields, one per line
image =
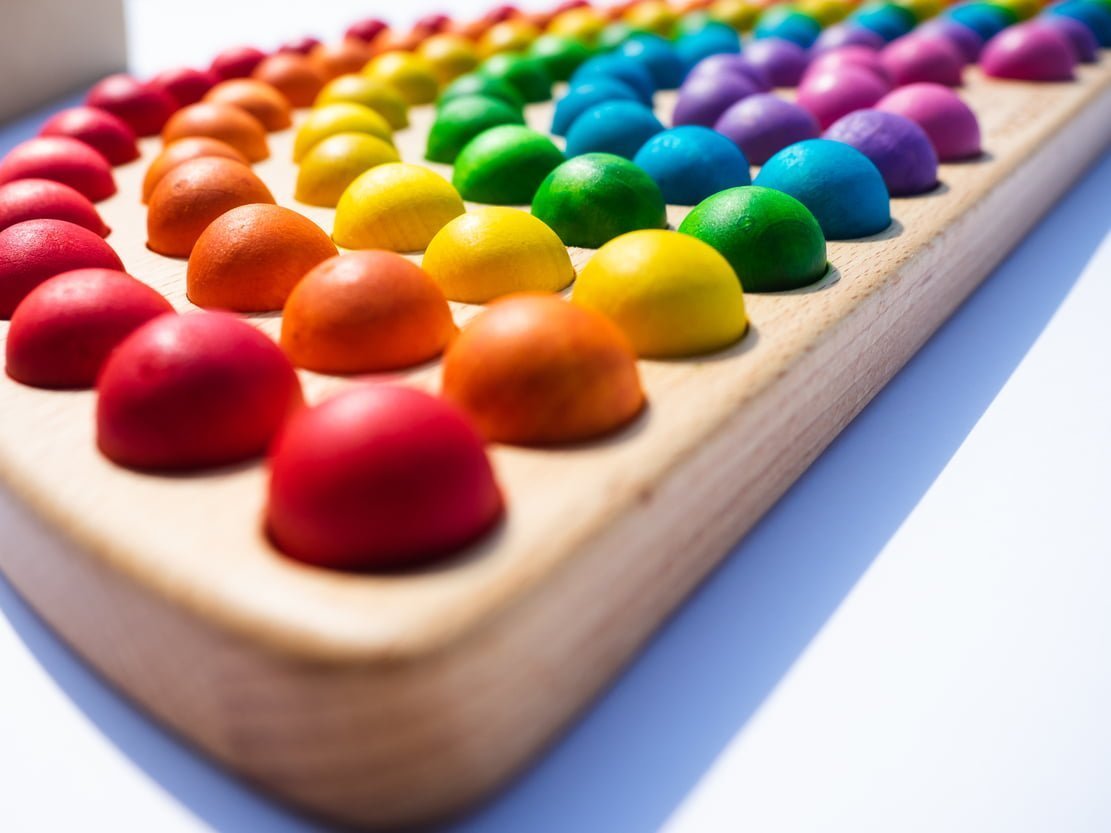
x=585 y=95
x=658 y=57
x=621 y=68
x=842 y=187
x=691 y=163
x=617 y=127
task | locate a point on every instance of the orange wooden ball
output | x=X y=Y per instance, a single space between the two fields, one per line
x=394 y=41
x=533 y=370
x=258 y=98
x=365 y=312
x=192 y=195
x=182 y=151
x=341 y=57
x=296 y=77
x=249 y=259
x=225 y=122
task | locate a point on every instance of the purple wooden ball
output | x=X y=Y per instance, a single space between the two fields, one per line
x=914 y=59
x=763 y=124
x=733 y=64
x=782 y=61
x=702 y=100
x=963 y=37
x=897 y=146
x=846 y=34
x=948 y=121
x=1030 y=51
x=1084 y=43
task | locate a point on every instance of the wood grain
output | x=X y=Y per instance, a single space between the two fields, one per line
x=395 y=699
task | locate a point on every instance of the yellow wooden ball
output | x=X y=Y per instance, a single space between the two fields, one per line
x=653 y=16
x=342 y=117
x=334 y=163
x=379 y=96
x=495 y=251
x=397 y=206
x=740 y=14
x=922 y=9
x=408 y=73
x=1024 y=9
x=449 y=56
x=512 y=35
x=671 y=294
x=828 y=12
x=583 y=24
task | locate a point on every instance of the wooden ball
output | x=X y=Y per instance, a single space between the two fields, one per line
x=231 y=125
x=408 y=73
x=250 y=258
x=294 y=76
x=33 y=251
x=257 y=98
x=341 y=117
x=108 y=135
x=60 y=159
x=221 y=392
x=398 y=206
x=373 y=93
x=144 y=107
x=380 y=477
x=333 y=164
x=365 y=312
x=192 y=195
x=671 y=294
x=340 y=58
x=534 y=369
x=64 y=330
x=183 y=150
x=42 y=199
x=490 y=252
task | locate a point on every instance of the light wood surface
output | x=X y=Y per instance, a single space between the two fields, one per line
x=390 y=700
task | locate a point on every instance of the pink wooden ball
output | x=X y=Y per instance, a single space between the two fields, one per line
x=949 y=122
x=834 y=93
x=915 y=58
x=1029 y=51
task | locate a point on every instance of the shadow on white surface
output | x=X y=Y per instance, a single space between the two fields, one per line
x=637 y=752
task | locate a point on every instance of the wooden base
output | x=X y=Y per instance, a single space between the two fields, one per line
x=391 y=700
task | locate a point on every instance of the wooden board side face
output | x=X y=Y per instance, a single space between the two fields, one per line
x=440 y=683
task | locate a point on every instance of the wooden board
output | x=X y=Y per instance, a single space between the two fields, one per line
x=388 y=700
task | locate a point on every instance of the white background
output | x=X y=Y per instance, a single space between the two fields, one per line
x=915 y=639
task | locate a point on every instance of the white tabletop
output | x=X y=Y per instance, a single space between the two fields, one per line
x=914 y=639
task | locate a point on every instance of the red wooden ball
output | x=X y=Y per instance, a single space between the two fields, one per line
x=36 y=250
x=42 y=199
x=105 y=133
x=184 y=85
x=237 y=62
x=379 y=477
x=65 y=328
x=431 y=24
x=299 y=46
x=366 y=30
x=501 y=13
x=144 y=107
x=60 y=159
x=193 y=391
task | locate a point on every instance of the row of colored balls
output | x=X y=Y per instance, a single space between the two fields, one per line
x=531 y=369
